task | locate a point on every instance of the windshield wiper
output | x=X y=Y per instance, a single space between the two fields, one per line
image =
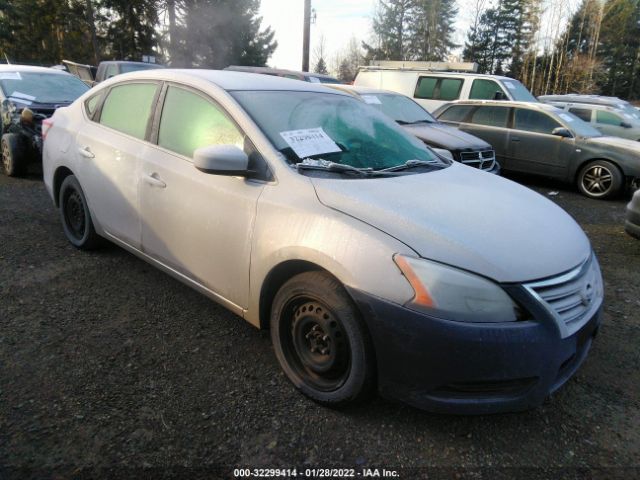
x=403 y=122
x=410 y=164
x=326 y=165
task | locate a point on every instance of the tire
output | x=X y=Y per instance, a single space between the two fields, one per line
x=75 y=216
x=600 y=179
x=14 y=159
x=320 y=341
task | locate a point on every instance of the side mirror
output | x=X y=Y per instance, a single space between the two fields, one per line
x=499 y=95
x=562 y=132
x=222 y=160
x=625 y=125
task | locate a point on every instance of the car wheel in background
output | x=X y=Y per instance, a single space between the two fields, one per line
x=75 y=216
x=13 y=155
x=320 y=340
x=600 y=179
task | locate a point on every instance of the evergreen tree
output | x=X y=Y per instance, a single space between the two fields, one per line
x=321 y=66
x=431 y=28
x=390 y=26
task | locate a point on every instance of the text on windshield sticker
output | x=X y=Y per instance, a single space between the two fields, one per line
x=309 y=142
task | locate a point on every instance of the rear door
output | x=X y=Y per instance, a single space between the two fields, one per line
x=109 y=151
x=198 y=224
x=490 y=123
x=532 y=147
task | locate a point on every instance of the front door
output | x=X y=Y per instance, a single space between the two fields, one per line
x=199 y=224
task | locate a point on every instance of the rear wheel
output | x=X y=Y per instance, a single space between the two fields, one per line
x=600 y=179
x=320 y=341
x=75 y=216
x=13 y=155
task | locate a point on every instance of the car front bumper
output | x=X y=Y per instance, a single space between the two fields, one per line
x=465 y=368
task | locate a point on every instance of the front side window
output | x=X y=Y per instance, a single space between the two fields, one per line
x=482 y=89
x=91 y=104
x=583 y=114
x=607 y=118
x=491 y=116
x=127 y=108
x=190 y=121
x=332 y=127
x=456 y=113
x=534 y=121
x=112 y=70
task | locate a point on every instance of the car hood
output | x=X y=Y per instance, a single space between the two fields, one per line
x=444 y=136
x=617 y=142
x=466 y=218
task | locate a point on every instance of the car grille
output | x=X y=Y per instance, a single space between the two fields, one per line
x=484 y=160
x=571 y=298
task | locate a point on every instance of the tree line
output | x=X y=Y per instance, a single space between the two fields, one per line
x=182 y=33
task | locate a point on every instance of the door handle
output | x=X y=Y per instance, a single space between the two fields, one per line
x=86 y=152
x=154 y=181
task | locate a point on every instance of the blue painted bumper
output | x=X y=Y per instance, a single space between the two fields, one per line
x=455 y=367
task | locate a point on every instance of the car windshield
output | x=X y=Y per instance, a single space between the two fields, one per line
x=134 y=67
x=332 y=127
x=41 y=87
x=576 y=125
x=518 y=91
x=402 y=109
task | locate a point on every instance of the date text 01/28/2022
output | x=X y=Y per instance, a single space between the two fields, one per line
x=314 y=473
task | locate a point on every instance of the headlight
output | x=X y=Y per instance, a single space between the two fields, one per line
x=453 y=294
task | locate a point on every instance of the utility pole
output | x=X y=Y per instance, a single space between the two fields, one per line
x=306 y=35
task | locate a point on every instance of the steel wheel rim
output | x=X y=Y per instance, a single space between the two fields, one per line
x=315 y=344
x=597 y=180
x=75 y=215
x=6 y=157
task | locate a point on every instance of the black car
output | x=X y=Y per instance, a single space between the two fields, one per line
x=460 y=146
x=541 y=139
x=632 y=223
x=29 y=95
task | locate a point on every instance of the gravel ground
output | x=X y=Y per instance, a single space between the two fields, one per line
x=110 y=368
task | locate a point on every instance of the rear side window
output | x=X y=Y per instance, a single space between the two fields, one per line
x=190 y=121
x=457 y=113
x=491 y=116
x=112 y=71
x=127 y=108
x=607 y=118
x=582 y=113
x=534 y=121
x=434 y=88
x=482 y=89
x=91 y=104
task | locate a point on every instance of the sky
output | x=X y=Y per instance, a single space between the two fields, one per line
x=337 y=21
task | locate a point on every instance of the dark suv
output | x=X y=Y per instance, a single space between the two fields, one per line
x=544 y=140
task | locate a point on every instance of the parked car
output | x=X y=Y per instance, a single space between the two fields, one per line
x=28 y=96
x=541 y=139
x=433 y=89
x=93 y=75
x=303 y=210
x=613 y=102
x=608 y=120
x=632 y=223
x=293 y=74
x=455 y=144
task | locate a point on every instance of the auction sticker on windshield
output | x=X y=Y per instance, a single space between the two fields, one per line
x=371 y=99
x=309 y=142
x=566 y=117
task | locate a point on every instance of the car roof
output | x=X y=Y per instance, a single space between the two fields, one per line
x=31 y=68
x=229 y=80
x=436 y=72
x=249 y=69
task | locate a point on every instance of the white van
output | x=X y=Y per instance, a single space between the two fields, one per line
x=432 y=89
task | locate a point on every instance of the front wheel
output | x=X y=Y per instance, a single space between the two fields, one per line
x=75 y=215
x=13 y=155
x=600 y=179
x=320 y=340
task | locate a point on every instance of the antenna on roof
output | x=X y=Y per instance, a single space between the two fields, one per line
x=6 y=58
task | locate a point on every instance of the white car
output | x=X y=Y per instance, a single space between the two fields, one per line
x=304 y=210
